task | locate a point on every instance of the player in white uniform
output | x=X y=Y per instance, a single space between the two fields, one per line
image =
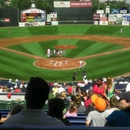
x=81 y=64
x=121 y=30
x=48 y=52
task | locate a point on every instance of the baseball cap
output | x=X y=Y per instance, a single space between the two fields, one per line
x=123 y=96
x=99 y=102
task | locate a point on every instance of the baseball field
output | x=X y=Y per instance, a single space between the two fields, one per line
x=104 y=50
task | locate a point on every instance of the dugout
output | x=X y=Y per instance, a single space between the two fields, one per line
x=73 y=11
x=9 y=17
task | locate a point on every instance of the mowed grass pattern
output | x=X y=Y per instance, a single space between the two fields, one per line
x=84 y=48
x=17 y=66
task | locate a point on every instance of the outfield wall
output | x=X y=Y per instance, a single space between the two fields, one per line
x=9 y=17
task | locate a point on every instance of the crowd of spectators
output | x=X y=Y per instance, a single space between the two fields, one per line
x=101 y=103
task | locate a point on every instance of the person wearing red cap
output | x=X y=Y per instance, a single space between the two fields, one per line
x=98 y=116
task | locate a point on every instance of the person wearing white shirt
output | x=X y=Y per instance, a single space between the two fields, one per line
x=81 y=64
x=61 y=89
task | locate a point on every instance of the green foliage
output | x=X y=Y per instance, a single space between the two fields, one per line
x=117 y=4
x=21 y=4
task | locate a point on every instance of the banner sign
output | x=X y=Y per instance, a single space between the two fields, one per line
x=73 y=4
x=96 y=22
x=126 y=17
x=33 y=11
x=119 y=18
x=103 y=22
x=123 y=11
x=61 y=4
x=47 y=23
x=22 y=24
x=126 y=23
x=54 y=23
x=112 y=18
x=80 y=4
x=96 y=17
x=103 y=17
x=107 y=9
x=115 y=11
x=6 y=20
x=100 y=11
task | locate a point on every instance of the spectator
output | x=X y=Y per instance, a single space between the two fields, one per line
x=61 y=89
x=17 y=90
x=119 y=118
x=88 y=101
x=74 y=76
x=100 y=88
x=9 y=94
x=113 y=105
x=72 y=112
x=55 y=90
x=16 y=109
x=64 y=98
x=123 y=99
x=36 y=95
x=110 y=88
x=98 y=116
x=56 y=107
x=70 y=89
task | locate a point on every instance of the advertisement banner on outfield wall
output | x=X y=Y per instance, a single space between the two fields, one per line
x=22 y=24
x=103 y=19
x=112 y=19
x=126 y=23
x=103 y=23
x=81 y=4
x=126 y=17
x=54 y=16
x=123 y=11
x=61 y=4
x=54 y=23
x=119 y=18
x=115 y=11
x=100 y=11
x=73 y=4
x=96 y=18
x=48 y=17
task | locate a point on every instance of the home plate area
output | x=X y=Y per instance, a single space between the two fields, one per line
x=58 y=63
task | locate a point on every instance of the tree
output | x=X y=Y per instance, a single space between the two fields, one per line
x=21 y=4
x=117 y=4
x=2 y=4
x=96 y=5
x=44 y=5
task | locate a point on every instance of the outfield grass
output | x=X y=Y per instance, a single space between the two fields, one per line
x=66 y=29
x=16 y=66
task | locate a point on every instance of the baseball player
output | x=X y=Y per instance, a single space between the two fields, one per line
x=81 y=64
x=63 y=52
x=48 y=52
x=121 y=30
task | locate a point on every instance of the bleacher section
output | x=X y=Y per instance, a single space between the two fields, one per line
x=33 y=127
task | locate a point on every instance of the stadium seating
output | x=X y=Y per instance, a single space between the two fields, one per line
x=77 y=121
x=33 y=127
